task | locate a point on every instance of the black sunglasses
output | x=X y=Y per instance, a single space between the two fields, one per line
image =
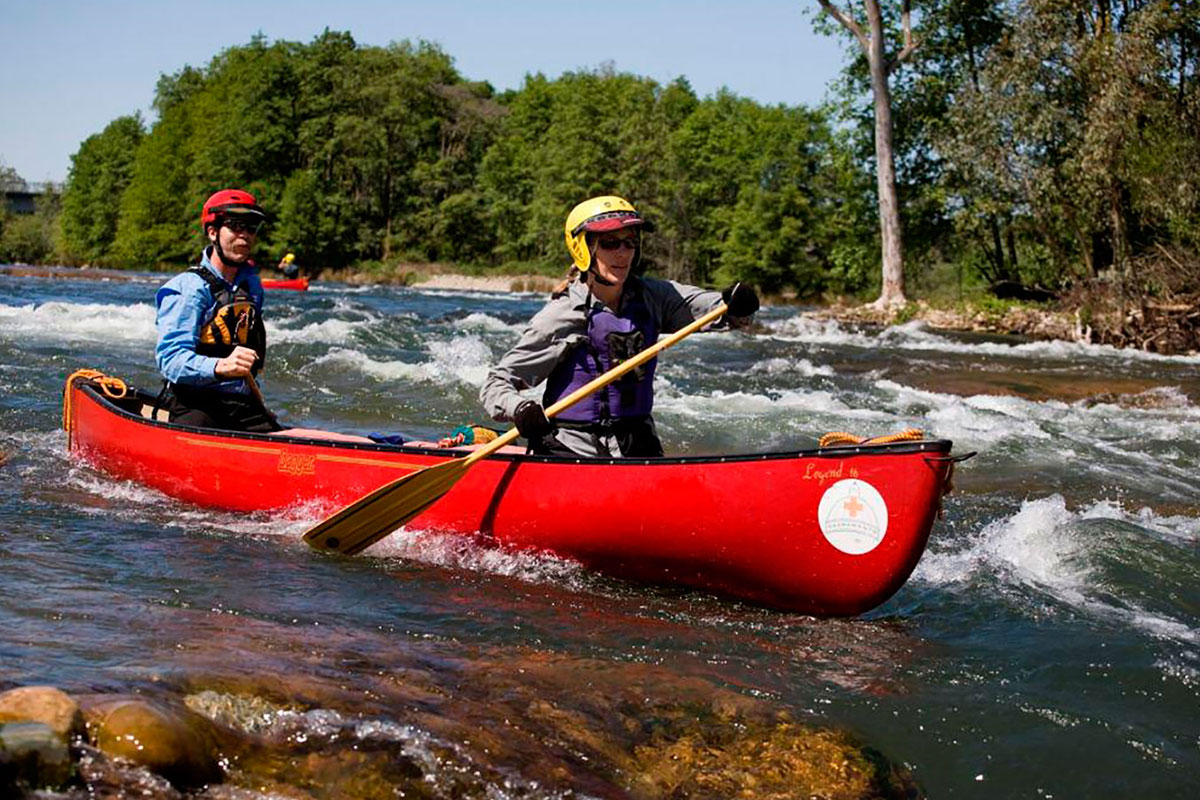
x=243 y=225
x=617 y=244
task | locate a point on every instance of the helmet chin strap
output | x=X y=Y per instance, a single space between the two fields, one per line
x=595 y=276
x=602 y=281
x=225 y=259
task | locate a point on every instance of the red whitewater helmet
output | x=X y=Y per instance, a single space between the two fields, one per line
x=230 y=203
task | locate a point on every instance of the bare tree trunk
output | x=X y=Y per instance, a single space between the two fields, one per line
x=892 y=292
x=871 y=41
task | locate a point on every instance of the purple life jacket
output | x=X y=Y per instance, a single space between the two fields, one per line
x=612 y=339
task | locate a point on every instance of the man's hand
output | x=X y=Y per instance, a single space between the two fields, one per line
x=237 y=364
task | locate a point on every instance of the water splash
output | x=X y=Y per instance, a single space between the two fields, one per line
x=916 y=335
x=463 y=359
x=79 y=322
x=1051 y=553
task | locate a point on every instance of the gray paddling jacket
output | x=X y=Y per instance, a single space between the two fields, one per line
x=550 y=341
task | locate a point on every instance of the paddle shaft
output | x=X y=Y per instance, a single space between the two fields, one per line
x=372 y=517
x=604 y=380
x=258 y=395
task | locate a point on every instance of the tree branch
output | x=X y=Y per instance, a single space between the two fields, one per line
x=848 y=22
x=910 y=44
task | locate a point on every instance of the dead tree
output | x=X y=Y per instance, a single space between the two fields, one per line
x=882 y=66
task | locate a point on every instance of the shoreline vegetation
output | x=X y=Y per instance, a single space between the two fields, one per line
x=1020 y=198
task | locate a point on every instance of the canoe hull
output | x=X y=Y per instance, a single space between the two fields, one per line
x=294 y=284
x=831 y=532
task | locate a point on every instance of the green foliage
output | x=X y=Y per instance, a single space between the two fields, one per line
x=386 y=154
x=1039 y=142
x=100 y=172
x=25 y=240
x=31 y=238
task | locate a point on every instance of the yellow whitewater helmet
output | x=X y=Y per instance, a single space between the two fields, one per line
x=289 y=258
x=604 y=213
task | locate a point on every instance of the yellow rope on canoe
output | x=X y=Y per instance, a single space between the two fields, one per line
x=841 y=437
x=113 y=387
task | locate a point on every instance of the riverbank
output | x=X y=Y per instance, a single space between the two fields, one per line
x=1033 y=322
x=442 y=276
x=1091 y=317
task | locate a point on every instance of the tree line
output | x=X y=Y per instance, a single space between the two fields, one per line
x=1036 y=144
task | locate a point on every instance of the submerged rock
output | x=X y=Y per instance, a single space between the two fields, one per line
x=766 y=763
x=32 y=754
x=170 y=741
x=44 y=704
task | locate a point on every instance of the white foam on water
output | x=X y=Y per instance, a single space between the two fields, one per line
x=478 y=294
x=811 y=330
x=801 y=408
x=1042 y=547
x=786 y=367
x=486 y=322
x=978 y=419
x=464 y=552
x=76 y=322
x=330 y=331
x=1033 y=547
x=916 y=335
x=463 y=359
x=110 y=491
x=342 y=288
x=1174 y=527
x=357 y=361
x=1120 y=434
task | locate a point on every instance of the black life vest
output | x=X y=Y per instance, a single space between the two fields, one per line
x=234 y=320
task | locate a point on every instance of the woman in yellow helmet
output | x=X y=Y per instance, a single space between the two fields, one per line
x=601 y=316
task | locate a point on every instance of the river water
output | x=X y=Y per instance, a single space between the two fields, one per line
x=1046 y=646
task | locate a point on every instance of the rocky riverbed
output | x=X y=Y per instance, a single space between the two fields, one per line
x=644 y=732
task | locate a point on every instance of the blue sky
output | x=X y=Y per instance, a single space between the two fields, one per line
x=69 y=67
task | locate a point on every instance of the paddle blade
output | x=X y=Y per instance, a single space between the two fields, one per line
x=364 y=522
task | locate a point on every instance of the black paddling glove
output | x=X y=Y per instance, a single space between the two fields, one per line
x=741 y=299
x=531 y=421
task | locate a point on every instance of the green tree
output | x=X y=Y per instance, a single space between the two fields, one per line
x=32 y=238
x=1084 y=127
x=100 y=172
x=796 y=222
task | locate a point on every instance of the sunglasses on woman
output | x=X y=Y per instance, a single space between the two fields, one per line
x=617 y=244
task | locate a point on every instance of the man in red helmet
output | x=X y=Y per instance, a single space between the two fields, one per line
x=211 y=338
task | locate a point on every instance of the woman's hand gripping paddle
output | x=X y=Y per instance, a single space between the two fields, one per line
x=370 y=518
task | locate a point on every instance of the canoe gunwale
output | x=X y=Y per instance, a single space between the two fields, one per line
x=939 y=447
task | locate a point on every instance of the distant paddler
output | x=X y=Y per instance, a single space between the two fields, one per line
x=602 y=314
x=211 y=337
x=289 y=267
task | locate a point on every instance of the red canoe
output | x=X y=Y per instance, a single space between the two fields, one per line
x=296 y=284
x=832 y=531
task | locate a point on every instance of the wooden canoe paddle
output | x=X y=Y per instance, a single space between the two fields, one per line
x=258 y=396
x=373 y=516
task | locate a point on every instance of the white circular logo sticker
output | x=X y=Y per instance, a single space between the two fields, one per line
x=853 y=516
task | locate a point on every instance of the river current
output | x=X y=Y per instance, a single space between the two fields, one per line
x=1047 y=645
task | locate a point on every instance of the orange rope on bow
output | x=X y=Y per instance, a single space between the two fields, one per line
x=113 y=387
x=841 y=437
